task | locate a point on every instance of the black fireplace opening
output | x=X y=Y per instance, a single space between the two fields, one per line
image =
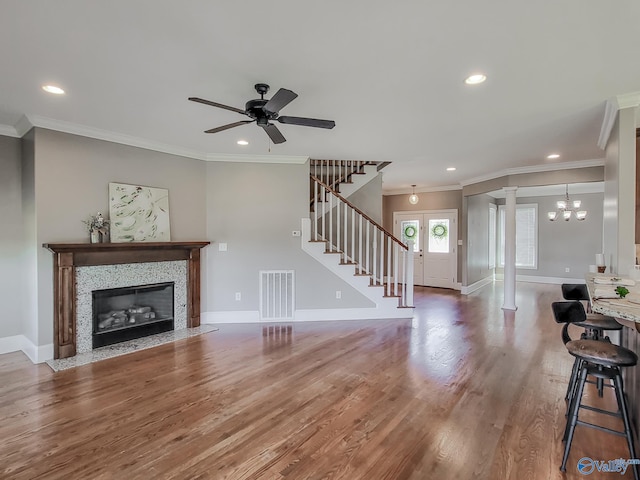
x=121 y=314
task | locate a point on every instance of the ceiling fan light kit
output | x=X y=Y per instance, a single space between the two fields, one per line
x=263 y=112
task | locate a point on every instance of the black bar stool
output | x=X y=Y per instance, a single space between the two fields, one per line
x=604 y=361
x=572 y=313
x=595 y=322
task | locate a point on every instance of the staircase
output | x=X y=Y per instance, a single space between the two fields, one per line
x=351 y=244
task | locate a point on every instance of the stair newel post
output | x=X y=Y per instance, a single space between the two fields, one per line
x=409 y=275
x=324 y=203
x=389 y=242
x=338 y=225
x=381 y=258
x=383 y=251
x=360 y=250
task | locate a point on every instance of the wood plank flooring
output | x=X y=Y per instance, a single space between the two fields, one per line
x=462 y=391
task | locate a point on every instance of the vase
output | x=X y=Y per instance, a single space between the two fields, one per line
x=94 y=236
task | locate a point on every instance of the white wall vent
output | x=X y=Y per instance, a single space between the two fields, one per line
x=277 y=295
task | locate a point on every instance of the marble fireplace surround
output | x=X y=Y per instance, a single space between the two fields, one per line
x=69 y=256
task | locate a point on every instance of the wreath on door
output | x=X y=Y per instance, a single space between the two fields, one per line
x=439 y=231
x=410 y=232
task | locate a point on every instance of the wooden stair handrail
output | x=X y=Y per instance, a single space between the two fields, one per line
x=351 y=205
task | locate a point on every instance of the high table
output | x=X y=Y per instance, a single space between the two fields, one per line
x=627 y=314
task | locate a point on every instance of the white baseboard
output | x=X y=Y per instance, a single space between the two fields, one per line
x=466 y=290
x=311 y=315
x=16 y=343
x=537 y=279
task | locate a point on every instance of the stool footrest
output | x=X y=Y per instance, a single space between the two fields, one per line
x=600 y=410
x=602 y=429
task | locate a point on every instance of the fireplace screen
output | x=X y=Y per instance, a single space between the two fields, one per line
x=121 y=314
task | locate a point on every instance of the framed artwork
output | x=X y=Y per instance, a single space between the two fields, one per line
x=138 y=213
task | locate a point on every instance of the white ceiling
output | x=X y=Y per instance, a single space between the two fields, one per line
x=389 y=73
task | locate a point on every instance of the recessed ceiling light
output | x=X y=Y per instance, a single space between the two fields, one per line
x=242 y=142
x=475 y=79
x=451 y=169
x=552 y=156
x=53 y=89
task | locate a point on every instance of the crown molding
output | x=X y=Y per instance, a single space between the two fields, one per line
x=619 y=102
x=404 y=191
x=9 y=131
x=27 y=122
x=114 y=137
x=628 y=100
x=551 y=167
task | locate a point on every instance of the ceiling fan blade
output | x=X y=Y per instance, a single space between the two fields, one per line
x=274 y=134
x=281 y=99
x=307 y=122
x=214 y=104
x=227 y=127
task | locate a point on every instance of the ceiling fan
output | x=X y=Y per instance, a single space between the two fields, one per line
x=264 y=111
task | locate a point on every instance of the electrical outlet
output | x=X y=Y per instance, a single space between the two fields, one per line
x=222 y=247
x=338 y=294
x=566 y=270
x=238 y=296
x=296 y=233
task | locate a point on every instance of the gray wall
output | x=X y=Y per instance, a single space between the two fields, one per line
x=369 y=199
x=254 y=208
x=71 y=178
x=571 y=244
x=52 y=181
x=561 y=244
x=478 y=238
x=11 y=238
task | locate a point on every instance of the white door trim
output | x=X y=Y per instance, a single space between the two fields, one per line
x=446 y=211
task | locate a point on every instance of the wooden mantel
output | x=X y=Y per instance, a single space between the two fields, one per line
x=68 y=256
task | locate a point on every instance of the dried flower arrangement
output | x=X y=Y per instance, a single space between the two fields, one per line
x=97 y=223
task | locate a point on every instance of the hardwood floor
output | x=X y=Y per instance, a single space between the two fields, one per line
x=462 y=391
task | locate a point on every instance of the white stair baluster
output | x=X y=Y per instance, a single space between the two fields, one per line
x=338 y=224
x=330 y=238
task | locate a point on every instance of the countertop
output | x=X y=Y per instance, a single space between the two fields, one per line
x=623 y=310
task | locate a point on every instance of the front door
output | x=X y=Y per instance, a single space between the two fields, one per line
x=435 y=234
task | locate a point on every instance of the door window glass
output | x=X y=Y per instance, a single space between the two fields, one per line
x=438 y=235
x=411 y=231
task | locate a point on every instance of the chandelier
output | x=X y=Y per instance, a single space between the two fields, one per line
x=567 y=207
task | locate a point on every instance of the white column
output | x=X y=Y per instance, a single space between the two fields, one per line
x=510 y=249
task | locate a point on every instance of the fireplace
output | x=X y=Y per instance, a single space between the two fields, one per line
x=80 y=268
x=126 y=313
